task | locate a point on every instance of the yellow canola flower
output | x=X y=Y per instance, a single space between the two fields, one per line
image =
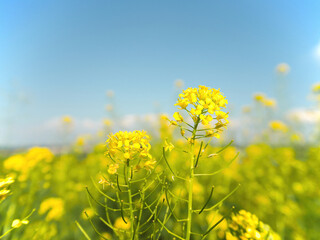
x=16 y=163
x=18 y=223
x=105 y=235
x=107 y=122
x=168 y=146
x=80 y=141
x=222 y=116
x=283 y=68
x=177 y=116
x=269 y=102
x=113 y=168
x=124 y=146
x=120 y=224
x=211 y=133
x=205 y=104
x=37 y=154
x=23 y=163
x=206 y=119
x=67 y=119
x=245 y=225
x=316 y=87
x=278 y=126
x=259 y=97
x=4 y=193
x=165 y=117
x=103 y=181
x=296 y=137
x=54 y=207
x=6 y=182
x=149 y=165
x=87 y=213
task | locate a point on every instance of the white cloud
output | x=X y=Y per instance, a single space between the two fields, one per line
x=317 y=51
x=129 y=121
x=305 y=115
x=52 y=131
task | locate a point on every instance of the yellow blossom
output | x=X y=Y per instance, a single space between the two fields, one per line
x=87 y=213
x=182 y=132
x=178 y=117
x=37 y=154
x=120 y=224
x=278 y=126
x=80 y=141
x=15 y=162
x=245 y=225
x=316 y=87
x=211 y=133
x=54 y=207
x=296 y=137
x=168 y=146
x=190 y=140
x=269 y=102
x=107 y=122
x=24 y=163
x=174 y=123
x=105 y=235
x=149 y=165
x=4 y=193
x=113 y=168
x=6 y=182
x=205 y=104
x=67 y=119
x=124 y=146
x=221 y=116
x=259 y=97
x=103 y=181
x=206 y=119
x=283 y=68
x=18 y=223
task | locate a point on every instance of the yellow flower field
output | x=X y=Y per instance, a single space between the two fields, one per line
x=184 y=180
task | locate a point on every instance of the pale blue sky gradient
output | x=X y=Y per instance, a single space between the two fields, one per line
x=64 y=55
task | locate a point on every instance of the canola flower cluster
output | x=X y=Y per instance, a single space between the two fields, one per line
x=261 y=98
x=247 y=226
x=54 y=207
x=125 y=147
x=278 y=126
x=283 y=68
x=4 y=187
x=67 y=120
x=316 y=88
x=33 y=157
x=286 y=176
x=316 y=91
x=24 y=163
x=205 y=106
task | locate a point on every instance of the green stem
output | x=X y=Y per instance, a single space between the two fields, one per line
x=192 y=159
x=6 y=232
x=130 y=202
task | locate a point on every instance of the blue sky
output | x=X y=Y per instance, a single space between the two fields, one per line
x=62 y=56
